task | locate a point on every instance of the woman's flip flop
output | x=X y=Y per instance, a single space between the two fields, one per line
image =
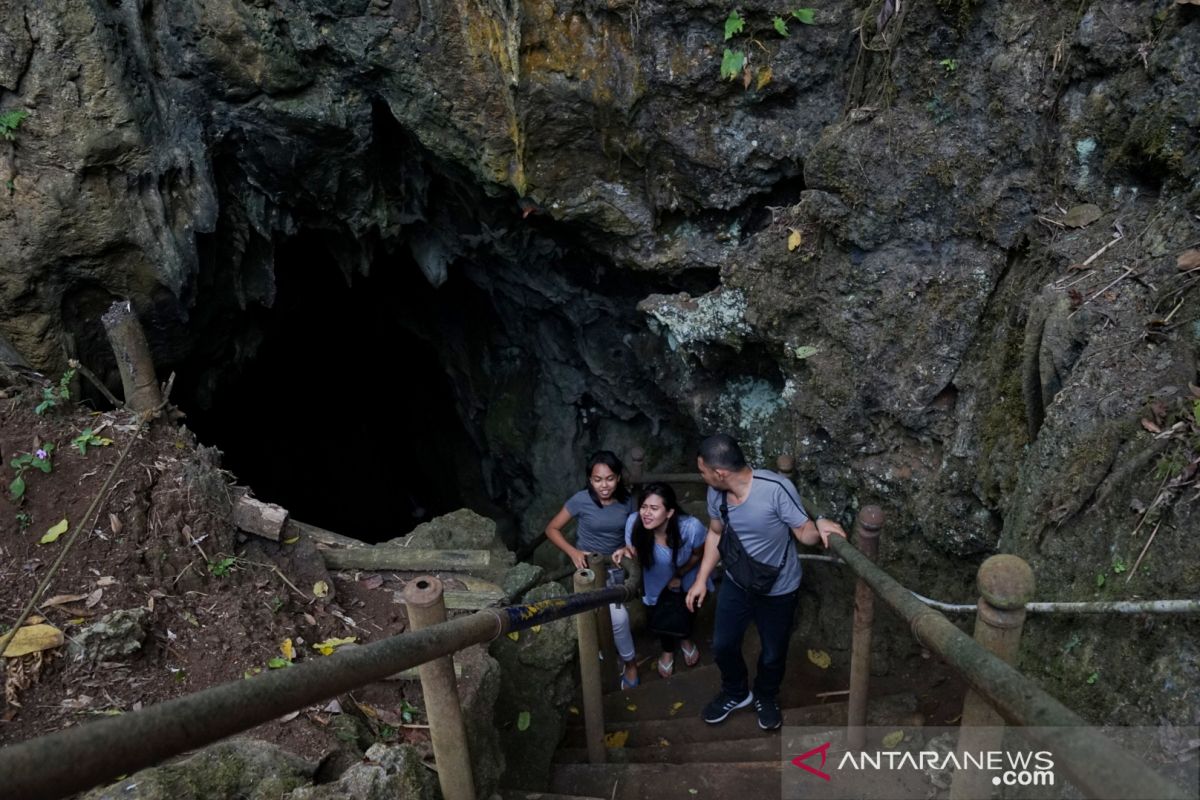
x=690 y=657
x=665 y=669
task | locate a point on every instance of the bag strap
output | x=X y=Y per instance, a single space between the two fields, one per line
x=724 y=509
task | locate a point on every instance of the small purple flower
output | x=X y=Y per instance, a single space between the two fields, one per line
x=41 y=454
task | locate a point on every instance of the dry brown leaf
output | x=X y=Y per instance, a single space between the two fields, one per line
x=94 y=598
x=1188 y=260
x=1150 y=426
x=107 y=580
x=746 y=77
x=1082 y=215
x=794 y=239
x=59 y=599
x=764 y=77
x=115 y=524
x=371 y=581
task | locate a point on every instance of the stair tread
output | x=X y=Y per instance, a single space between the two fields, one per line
x=763 y=779
x=686 y=726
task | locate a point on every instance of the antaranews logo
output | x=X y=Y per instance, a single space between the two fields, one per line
x=1013 y=768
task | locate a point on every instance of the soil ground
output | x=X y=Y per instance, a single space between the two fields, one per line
x=161 y=541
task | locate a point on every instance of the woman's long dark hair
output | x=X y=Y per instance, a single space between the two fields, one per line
x=609 y=459
x=643 y=539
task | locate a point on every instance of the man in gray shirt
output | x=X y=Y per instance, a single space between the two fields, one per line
x=763 y=511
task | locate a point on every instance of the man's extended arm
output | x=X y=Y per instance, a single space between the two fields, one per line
x=815 y=531
x=699 y=590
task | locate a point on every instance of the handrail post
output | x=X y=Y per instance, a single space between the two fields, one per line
x=426 y=606
x=637 y=464
x=866 y=538
x=786 y=465
x=589 y=672
x=1005 y=584
x=607 y=644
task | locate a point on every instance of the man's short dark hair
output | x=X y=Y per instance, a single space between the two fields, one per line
x=721 y=451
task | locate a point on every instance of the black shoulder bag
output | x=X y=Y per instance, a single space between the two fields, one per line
x=752 y=575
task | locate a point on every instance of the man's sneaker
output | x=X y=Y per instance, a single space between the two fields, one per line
x=769 y=716
x=719 y=708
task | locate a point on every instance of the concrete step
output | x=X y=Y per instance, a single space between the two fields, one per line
x=687 y=727
x=760 y=779
x=521 y=794
x=764 y=747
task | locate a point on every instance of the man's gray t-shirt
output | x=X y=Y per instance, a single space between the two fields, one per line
x=601 y=529
x=764 y=522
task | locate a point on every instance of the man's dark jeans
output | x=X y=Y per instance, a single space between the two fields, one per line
x=773 y=617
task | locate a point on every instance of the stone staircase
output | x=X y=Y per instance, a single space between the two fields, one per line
x=660 y=749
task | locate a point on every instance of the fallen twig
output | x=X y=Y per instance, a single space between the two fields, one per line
x=1126 y=274
x=87 y=373
x=1142 y=554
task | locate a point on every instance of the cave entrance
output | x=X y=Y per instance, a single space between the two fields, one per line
x=344 y=413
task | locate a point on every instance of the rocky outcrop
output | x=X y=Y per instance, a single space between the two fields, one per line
x=857 y=251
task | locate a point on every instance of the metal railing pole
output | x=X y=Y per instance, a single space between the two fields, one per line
x=423 y=597
x=1005 y=585
x=589 y=672
x=866 y=537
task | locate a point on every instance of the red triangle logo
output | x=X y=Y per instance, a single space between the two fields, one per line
x=799 y=760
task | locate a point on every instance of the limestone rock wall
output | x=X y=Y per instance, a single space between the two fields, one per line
x=863 y=257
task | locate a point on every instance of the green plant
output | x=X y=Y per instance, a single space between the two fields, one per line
x=89 y=439
x=10 y=121
x=735 y=62
x=276 y=604
x=408 y=712
x=53 y=395
x=948 y=64
x=1100 y=581
x=221 y=568
x=23 y=520
x=1118 y=566
x=38 y=459
x=1091 y=679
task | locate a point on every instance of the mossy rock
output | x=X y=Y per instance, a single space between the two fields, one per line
x=242 y=768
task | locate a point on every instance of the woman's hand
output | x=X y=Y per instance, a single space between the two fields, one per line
x=578 y=558
x=623 y=552
x=695 y=596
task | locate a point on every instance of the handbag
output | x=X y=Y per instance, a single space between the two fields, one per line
x=670 y=616
x=748 y=573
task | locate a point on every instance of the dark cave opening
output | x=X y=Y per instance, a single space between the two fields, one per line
x=345 y=414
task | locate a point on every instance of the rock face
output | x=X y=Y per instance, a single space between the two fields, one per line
x=858 y=251
x=238 y=768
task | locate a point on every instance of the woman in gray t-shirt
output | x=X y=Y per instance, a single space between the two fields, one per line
x=601 y=510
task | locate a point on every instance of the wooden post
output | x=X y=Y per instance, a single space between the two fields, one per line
x=589 y=672
x=423 y=598
x=129 y=345
x=1005 y=585
x=866 y=537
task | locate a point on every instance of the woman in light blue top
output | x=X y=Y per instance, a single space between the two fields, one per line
x=669 y=545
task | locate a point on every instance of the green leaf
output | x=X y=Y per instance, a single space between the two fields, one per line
x=55 y=532
x=732 y=63
x=17 y=488
x=1093 y=678
x=523 y=720
x=1099 y=581
x=278 y=663
x=734 y=24
x=780 y=26
x=805 y=15
x=807 y=351
x=41 y=407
